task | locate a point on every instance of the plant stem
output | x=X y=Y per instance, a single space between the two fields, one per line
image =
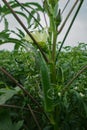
x=13 y=106
x=53 y=57
x=54 y=46
x=18 y=84
x=34 y=117
x=65 y=6
x=17 y=107
x=53 y=66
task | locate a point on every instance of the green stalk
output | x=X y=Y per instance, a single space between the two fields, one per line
x=53 y=65
x=54 y=46
x=53 y=32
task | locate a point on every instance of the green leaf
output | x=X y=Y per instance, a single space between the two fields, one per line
x=21 y=32
x=18 y=125
x=6 y=24
x=22 y=14
x=5 y=10
x=46 y=85
x=4 y=35
x=30 y=18
x=36 y=4
x=6 y=94
x=6 y=123
x=85 y=108
x=47 y=128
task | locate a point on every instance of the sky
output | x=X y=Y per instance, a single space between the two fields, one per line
x=78 y=32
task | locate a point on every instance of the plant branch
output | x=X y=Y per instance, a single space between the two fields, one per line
x=67 y=17
x=12 y=106
x=76 y=13
x=26 y=30
x=23 y=89
x=28 y=13
x=17 y=107
x=34 y=117
x=20 y=86
x=74 y=78
x=65 y=6
x=81 y=71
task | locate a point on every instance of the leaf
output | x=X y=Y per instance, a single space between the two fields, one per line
x=6 y=24
x=5 y=9
x=67 y=48
x=18 y=125
x=30 y=18
x=38 y=19
x=47 y=128
x=22 y=14
x=46 y=85
x=5 y=38
x=85 y=107
x=4 y=35
x=21 y=33
x=6 y=94
x=39 y=7
x=6 y=123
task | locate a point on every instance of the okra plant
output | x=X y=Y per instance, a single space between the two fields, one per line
x=44 y=42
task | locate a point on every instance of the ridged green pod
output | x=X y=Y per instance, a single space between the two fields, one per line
x=46 y=85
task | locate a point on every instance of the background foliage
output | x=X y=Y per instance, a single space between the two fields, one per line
x=23 y=66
